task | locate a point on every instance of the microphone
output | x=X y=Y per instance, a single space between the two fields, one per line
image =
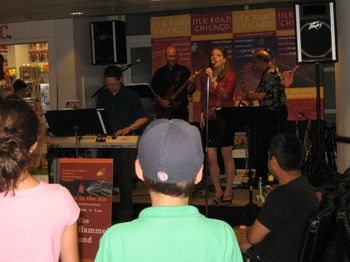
x=127 y=66
x=212 y=63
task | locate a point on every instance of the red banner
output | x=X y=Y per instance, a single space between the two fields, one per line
x=213 y=23
x=284 y=18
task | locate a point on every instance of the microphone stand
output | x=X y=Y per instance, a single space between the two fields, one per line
x=206 y=193
x=98 y=91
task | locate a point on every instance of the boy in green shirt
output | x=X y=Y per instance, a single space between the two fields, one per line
x=170 y=162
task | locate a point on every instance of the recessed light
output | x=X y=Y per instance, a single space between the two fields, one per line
x=76 y=13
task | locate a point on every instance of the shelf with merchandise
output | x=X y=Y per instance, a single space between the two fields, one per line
x=38 y=52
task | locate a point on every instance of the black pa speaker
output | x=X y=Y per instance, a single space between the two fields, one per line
x=108 y=42
x=316 y=32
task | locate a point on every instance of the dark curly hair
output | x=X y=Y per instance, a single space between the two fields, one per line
x=223 y=51
x=19 y=130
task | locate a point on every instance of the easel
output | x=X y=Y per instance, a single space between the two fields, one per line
x=245 y=119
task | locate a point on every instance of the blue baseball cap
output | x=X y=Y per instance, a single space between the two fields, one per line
x=170 y=151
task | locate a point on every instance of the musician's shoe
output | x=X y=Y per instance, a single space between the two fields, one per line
x=217 y=199
x=227 y=199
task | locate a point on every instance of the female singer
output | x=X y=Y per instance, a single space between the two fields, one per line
x=38 y=220
x=222 y=81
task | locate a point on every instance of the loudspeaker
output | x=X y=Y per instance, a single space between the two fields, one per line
x=108 y=42
x=315 y=29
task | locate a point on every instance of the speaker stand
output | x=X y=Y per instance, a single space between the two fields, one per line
x=320 y=166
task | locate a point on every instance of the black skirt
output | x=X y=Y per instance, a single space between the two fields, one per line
x=217 y=135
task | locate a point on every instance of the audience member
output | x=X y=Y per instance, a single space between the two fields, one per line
x=19 y=90
x=170 y=162
x=38 y=220
x=276 y=234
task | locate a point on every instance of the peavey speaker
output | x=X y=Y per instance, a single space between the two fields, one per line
x=316 y=32
x=108 y=42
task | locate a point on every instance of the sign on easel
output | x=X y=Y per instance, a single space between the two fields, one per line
x=90 y=181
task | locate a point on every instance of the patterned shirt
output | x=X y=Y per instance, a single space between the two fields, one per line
x=272 y=84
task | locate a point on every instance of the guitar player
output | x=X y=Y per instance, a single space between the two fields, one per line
x=167 y=80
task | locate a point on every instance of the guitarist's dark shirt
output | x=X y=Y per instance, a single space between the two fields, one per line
x=164 y=79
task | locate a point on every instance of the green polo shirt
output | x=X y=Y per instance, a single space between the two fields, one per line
x=169 y=233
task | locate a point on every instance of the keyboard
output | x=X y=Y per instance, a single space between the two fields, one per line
x=93 y=142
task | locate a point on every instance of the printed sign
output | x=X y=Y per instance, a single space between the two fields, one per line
x=90 y=181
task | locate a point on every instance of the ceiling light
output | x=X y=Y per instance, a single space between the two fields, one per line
x=76 y=13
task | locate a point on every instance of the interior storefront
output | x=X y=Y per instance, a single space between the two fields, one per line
x=28 y=62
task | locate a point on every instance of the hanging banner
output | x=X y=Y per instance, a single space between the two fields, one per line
x=241 y=32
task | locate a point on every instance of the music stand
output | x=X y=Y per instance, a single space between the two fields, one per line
x=244 y=119
x=78 y=122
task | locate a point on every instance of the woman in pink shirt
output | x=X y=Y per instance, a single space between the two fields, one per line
x=38 y=221
x=221 y=80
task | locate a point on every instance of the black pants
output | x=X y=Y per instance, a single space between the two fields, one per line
x=123 y=176
x=250 y=256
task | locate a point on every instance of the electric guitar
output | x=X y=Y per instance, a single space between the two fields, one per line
x=173 y=94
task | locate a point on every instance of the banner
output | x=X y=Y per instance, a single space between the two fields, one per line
x=90 y=182
x=241 y=32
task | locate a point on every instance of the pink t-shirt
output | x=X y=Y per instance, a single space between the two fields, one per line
x=32 y=222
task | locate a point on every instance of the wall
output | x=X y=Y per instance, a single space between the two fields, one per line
x=59 y=35
x=88 y=77
x=342 y=83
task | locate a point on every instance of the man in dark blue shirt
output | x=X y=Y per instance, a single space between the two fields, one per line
x=125 y=115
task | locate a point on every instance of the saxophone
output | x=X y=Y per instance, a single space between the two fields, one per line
x=242 y=102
